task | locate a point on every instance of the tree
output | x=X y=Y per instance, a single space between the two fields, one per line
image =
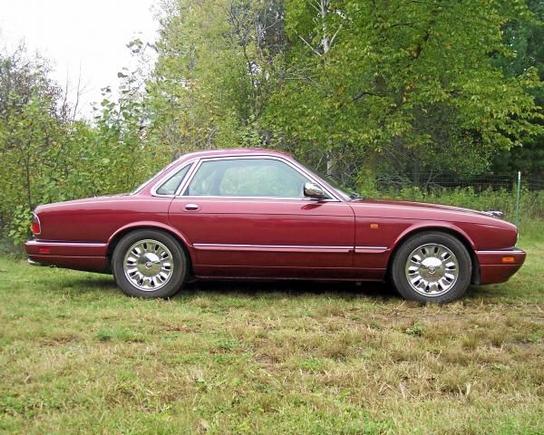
x=215 y=71
x=48 y=156
x=524 y=37
x=404 y=87
x=29 y=130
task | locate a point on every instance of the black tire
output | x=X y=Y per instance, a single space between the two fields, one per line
x=425 y=239
x=176 y=277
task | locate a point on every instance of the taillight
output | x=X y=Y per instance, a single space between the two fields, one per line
x=35 y=227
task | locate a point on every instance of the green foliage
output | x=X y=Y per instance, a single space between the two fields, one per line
x=403 y=84
x=524 y=37
x=19 y=227
x=215 y=68
x=356 y=89
x=416 y=329
x=47 y=156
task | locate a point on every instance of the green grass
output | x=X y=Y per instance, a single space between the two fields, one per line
x=78 y=356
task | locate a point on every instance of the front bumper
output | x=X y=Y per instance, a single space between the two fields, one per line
x=499 y=265
x=90 y=257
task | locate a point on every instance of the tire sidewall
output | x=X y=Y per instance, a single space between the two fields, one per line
x=401 y=257
x=179 y=260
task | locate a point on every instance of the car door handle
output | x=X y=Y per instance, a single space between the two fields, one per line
x=191 y=207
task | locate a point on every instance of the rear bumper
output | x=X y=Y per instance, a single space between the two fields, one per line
x=90 y=257
x=499 y=265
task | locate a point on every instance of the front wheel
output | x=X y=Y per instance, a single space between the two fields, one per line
x=149 y=264
x=432 y=267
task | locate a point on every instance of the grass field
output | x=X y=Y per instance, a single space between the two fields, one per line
x=78 y=356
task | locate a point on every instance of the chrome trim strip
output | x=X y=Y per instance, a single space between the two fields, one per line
x=502 y=252
x=258 y=198
x=48 y=257
x=69 y=244
x=270 y=248
x=371 y=249
x=289 y=248
x=299 y=169
x=188 y=177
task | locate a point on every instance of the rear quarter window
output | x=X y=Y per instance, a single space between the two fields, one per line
x=170 y=186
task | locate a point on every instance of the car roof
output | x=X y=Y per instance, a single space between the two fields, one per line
x=227 y=152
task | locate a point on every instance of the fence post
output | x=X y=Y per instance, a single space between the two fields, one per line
x=518 y=195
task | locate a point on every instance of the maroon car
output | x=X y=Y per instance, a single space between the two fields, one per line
x=260 y=214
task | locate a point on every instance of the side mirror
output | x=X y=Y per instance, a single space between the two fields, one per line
x=313 y=191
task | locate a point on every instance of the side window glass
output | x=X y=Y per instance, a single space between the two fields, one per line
x=247 y=177
x=204 y=181
x=170 y=186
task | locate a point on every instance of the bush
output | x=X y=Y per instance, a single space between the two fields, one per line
x=19 y=226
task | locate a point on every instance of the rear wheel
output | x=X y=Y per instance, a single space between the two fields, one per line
x=432 y=267
x=149 y=264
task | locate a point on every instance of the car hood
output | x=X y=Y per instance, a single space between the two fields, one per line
x=424 y=210
x=419 y=205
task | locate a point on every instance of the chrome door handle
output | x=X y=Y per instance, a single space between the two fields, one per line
x=191 y=207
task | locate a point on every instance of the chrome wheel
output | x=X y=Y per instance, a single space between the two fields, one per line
x=432 y=269
x=148 y=265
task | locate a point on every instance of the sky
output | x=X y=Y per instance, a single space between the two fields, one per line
x=87 y=36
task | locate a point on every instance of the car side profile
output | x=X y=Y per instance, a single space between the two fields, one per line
x=259 y=214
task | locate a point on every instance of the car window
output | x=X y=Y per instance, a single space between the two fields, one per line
x=247 y=177
x=170 y=186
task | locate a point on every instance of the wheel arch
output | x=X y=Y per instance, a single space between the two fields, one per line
x=452 y=230
x=150 y=225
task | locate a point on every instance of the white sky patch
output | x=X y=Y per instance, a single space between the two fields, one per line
x=79 y=35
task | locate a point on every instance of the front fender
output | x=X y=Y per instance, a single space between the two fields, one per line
x=436 y=226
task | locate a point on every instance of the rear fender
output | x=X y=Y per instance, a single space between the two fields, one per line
x=149 y=225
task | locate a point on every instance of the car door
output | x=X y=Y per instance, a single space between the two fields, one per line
x=247 y=216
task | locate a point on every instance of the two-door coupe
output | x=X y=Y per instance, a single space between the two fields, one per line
x=258 y=214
